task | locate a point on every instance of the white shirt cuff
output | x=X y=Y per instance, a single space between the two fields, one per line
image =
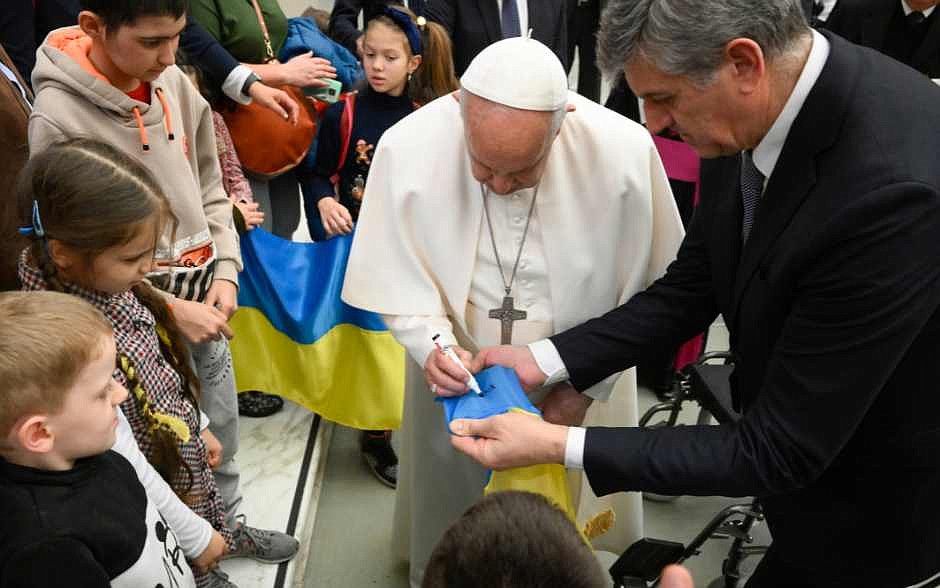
x=574 y=448
x=203 y=421
x=232 y=86
x=548 y=360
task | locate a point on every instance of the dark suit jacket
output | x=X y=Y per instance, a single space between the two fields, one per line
x=344 y=19
x=865 y=22
x=832 y=308
x=474 y=24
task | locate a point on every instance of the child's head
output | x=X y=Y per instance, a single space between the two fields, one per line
x=513 y=539
x=58 y=396
x=319 y=16
x=133 y=40
x=100 y=213
x=397 y=45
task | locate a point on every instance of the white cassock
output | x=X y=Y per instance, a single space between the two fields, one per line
x=604 y=227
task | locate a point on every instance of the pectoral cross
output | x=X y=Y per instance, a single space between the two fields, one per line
x=507 y=315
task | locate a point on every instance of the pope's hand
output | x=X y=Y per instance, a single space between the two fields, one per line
x=510 y=440
x=564 y=405
x=444 y=376
x=518 y=358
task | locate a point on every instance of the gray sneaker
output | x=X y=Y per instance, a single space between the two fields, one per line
x=217 y=579
x=270 y=547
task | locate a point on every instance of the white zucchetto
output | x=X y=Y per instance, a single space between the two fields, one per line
x=518 y=72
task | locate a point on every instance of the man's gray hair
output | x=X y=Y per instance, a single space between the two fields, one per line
x=688 y=37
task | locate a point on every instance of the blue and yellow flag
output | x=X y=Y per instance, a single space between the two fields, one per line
x=296 y=338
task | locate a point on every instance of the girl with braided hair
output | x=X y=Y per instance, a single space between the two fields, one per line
x=94 y=216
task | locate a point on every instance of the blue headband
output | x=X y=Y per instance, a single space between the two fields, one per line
x=36 y=228
x=407 y=26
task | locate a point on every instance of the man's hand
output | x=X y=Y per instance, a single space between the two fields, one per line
x=518 y=358
x=335 y=217
x=213 y=448
x=444 y=377
x=223 y=295
x=209 y=558
x=564 y=405
x=199 y=322
x=510 y=440
x=251 y=212
x=306 y=70
x=276 y=100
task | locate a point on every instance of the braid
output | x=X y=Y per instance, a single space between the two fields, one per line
x=164 y=451
x=172 y=343
x=39 y=251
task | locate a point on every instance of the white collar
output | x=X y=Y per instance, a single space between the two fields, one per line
x=768 y=150
x=907 y=9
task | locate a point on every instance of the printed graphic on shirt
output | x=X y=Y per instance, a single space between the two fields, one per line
x=162 y=563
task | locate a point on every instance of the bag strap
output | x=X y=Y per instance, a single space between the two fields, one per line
x=345 y=133
x=268 y=48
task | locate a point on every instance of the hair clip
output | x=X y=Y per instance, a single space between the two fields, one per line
x=36 y=229
x=422 y=22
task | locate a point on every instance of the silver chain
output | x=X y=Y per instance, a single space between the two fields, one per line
x=525 y=232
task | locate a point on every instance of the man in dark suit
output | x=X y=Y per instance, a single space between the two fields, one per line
x=474 y=24
x=817 y=241
x=344 y=20
x=907 y=30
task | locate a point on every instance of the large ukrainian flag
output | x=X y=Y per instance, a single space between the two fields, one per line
x=294 y=336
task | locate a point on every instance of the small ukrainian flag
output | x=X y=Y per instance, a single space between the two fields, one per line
x=296 y=338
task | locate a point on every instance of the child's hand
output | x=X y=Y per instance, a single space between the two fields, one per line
x=251 y=213
x=223 y=295
x=335 y=217
x=213 y=448
x=200 y=323
x=209 y=558
x=306 y=70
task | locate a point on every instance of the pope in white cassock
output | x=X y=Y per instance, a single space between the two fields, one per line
x=516 y=212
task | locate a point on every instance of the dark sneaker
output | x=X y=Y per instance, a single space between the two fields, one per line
x=270 y=547
x=258 y=404
x=377 y=451
x=217 y=579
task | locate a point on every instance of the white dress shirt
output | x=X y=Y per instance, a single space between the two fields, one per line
x=765 y=157
x=907 y=9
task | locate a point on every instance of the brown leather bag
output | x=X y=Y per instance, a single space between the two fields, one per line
x=267 y=144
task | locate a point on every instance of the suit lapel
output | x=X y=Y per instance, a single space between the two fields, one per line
x=874 y=29
x=815 y=129
x=926 y=57
x=534 y=14
x=489 y=14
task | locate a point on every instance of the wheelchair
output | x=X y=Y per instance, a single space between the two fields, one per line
x=706 y=383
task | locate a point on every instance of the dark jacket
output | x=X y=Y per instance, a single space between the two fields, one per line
x=474 y=24
x=866 y=22
x=344 y=20
x=14 y=116
x=832 y=309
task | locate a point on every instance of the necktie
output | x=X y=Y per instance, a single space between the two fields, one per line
x=752 y=184
x=510 y=19
x=914 y=20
